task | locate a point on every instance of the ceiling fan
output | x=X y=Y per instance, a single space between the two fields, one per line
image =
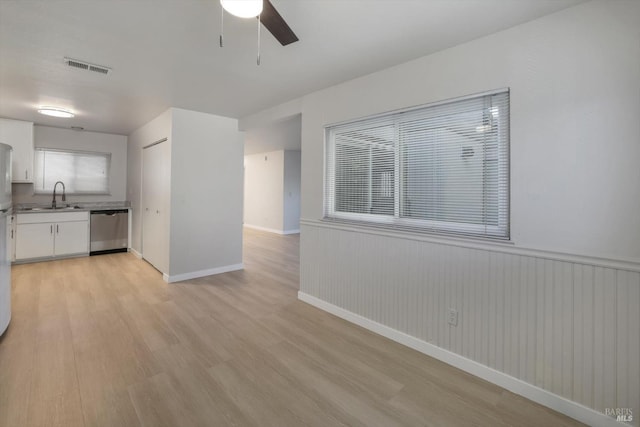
x=266 y=14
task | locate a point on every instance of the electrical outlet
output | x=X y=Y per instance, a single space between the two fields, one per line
x=453 y=317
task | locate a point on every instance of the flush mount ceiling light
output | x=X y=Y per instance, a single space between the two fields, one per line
x=55 y=112
x=243 y=8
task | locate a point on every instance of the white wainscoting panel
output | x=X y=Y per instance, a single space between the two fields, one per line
x=568 y=327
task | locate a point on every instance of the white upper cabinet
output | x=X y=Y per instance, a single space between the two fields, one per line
x=19 y=135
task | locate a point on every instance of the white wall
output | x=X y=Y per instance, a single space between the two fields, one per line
x=206 y=194
x=574 y=132
x=50 y=137
x=204 y=228
x=575 y=198
x=155 y=130
x=272 y=191
x=292 y=170
x=263 y=191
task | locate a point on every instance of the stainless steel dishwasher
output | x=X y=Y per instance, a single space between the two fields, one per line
x=109 y=231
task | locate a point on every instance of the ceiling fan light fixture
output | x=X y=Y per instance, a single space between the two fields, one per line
x=56 y=112
x=243 y=8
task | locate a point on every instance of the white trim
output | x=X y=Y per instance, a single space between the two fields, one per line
x=257 y=227
x=201 y=273
x=49 y=258
x=271 y=230
x=543 y=397
x=135 y=253
x=484 y=244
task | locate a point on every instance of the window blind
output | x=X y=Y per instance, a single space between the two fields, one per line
x=81 y=172
x=442 y=167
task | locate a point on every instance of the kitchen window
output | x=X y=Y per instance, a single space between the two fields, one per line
x=441 y=167
x=82 y=172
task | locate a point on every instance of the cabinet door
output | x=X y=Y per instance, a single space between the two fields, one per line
x=34 y=240
x=19 y=135
x=71 y=238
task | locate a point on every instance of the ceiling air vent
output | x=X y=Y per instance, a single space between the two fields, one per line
x=86 y=66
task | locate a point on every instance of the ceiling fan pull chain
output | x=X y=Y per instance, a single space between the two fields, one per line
x=258 y=40
x=221 y=24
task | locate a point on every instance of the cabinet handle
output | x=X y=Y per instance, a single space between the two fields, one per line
x=57 y=229
x=12 y=234
x=26 y=176
x=51 y=228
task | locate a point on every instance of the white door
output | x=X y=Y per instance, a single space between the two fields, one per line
x=155 y=202
x=71 y=238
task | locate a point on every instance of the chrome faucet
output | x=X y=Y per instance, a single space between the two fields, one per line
x=64 y=196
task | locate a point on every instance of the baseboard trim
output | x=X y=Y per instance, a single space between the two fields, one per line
x=201 y=273
x=135 y=253
x=543 y=397
x=272 y=230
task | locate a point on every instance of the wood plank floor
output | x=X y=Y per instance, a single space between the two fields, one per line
x=103 y=341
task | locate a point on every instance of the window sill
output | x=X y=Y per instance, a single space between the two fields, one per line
x=413 y=233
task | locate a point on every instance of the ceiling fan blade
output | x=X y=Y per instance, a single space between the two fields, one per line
x=273 y=22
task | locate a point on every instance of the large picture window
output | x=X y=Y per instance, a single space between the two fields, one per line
x=442 y=167
x=82 y=172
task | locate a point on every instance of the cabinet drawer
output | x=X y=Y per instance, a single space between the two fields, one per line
x=33 y=218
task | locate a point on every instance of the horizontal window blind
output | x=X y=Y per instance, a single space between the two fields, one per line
x=81 y=172
x=443 y=167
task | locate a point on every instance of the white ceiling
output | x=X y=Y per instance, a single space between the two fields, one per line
x=165 y=52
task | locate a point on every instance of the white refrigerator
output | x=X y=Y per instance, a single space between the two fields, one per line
x=5 y=223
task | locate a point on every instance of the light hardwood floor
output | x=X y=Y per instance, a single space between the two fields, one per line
x=103 y=341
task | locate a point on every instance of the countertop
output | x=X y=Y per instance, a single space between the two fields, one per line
x=27 y=208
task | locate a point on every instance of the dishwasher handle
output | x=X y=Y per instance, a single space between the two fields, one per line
x=110 y=212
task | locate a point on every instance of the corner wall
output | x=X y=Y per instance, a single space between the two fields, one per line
x=204 y=221
x=263 y=191
x=292 y=171
x=272 y=191
x=206 y=195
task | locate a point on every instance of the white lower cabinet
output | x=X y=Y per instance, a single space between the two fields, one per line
x=34 y=241
x=71 y=238
x=48 y=235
